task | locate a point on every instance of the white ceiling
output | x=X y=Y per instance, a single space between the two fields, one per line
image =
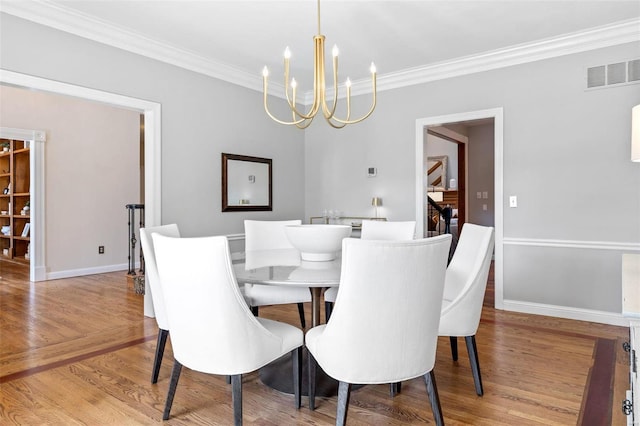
x=243 y=36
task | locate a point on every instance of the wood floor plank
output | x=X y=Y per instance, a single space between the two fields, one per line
x=79 y=351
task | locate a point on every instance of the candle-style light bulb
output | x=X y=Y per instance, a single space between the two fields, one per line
x=335 y=51
x=348 y=82
x=372 y=68
x=294 y=83
x=287 y=53
x=265 y=71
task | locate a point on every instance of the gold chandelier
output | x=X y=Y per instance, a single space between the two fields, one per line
x=301 y=119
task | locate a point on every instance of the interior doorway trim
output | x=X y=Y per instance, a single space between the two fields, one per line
x=36 y=199
x=497 y=115
x=152 y=140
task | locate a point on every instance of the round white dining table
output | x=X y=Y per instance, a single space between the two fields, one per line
x=284 y=267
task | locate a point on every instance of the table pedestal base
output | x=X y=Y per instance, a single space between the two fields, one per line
x=278 y=376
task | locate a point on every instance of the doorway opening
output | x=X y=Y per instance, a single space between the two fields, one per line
x=479 y=204
x=152 y=150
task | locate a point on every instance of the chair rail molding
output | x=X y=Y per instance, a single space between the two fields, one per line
x=597 y=245
x=569 y=312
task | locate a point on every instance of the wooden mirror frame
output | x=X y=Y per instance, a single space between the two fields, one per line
x=226 y=207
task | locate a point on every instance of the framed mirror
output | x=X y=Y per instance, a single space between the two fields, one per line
x=246 y=183
x=437 y=173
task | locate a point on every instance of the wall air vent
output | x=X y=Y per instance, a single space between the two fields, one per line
x=616 y=73
x=596 y=76
x=633 y=70
x=613 y=74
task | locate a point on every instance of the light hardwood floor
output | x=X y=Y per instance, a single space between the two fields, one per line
x=79 y=351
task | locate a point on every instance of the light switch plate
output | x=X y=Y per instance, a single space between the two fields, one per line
x=513 y=201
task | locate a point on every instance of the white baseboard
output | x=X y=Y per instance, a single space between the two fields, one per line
x=88 y=271
x=602 y=317
x=40 y=273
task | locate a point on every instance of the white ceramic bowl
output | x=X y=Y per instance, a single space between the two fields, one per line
x=317 y=242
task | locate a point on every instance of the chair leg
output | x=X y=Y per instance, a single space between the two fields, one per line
x=162 y=341
x=454 y=347
x=344 y=392
x=296 y=358
x=236 y=398
x=434 y=399
x=301 y=313
x=312 y=366
x=173 y=384
x=328 y=308
x=254 y=311
x=395 y=388
x=472 y=350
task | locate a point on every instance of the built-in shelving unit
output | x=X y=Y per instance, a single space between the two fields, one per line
x=15 y=199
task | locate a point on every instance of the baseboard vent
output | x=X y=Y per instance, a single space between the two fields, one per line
x=613 y=74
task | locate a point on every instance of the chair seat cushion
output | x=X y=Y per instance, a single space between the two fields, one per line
x=292 y=337
x=330 y=294
x=262 y=294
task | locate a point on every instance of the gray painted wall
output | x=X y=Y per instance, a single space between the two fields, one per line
x=201 y=118
x=92 y=171
x=566 y=153
x=480 y=175
x=560 y=141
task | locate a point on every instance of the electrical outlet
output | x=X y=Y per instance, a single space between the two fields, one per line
x=100 y=249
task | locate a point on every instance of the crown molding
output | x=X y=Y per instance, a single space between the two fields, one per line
x=64 y=19
x=70 y=21
x=594 y=38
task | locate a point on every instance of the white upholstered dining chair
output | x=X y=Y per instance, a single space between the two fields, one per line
x=465 y=285
x=151 y=276
x=382 y=333
x=212 y=329
x=374 y=230
x=267 y=235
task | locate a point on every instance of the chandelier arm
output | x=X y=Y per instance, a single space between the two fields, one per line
x=266 y=108
x=298 y=113
x=328 y=114
x=290 y=101
x=373 y=106
x=334 y=125
x=306 y=124
x=306 y=121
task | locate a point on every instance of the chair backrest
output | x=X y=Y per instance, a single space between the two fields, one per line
x=384 y=326
x=382 y=230
x=212 y=328
x=151 y=269
x=466 y=281
x=267 y=234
